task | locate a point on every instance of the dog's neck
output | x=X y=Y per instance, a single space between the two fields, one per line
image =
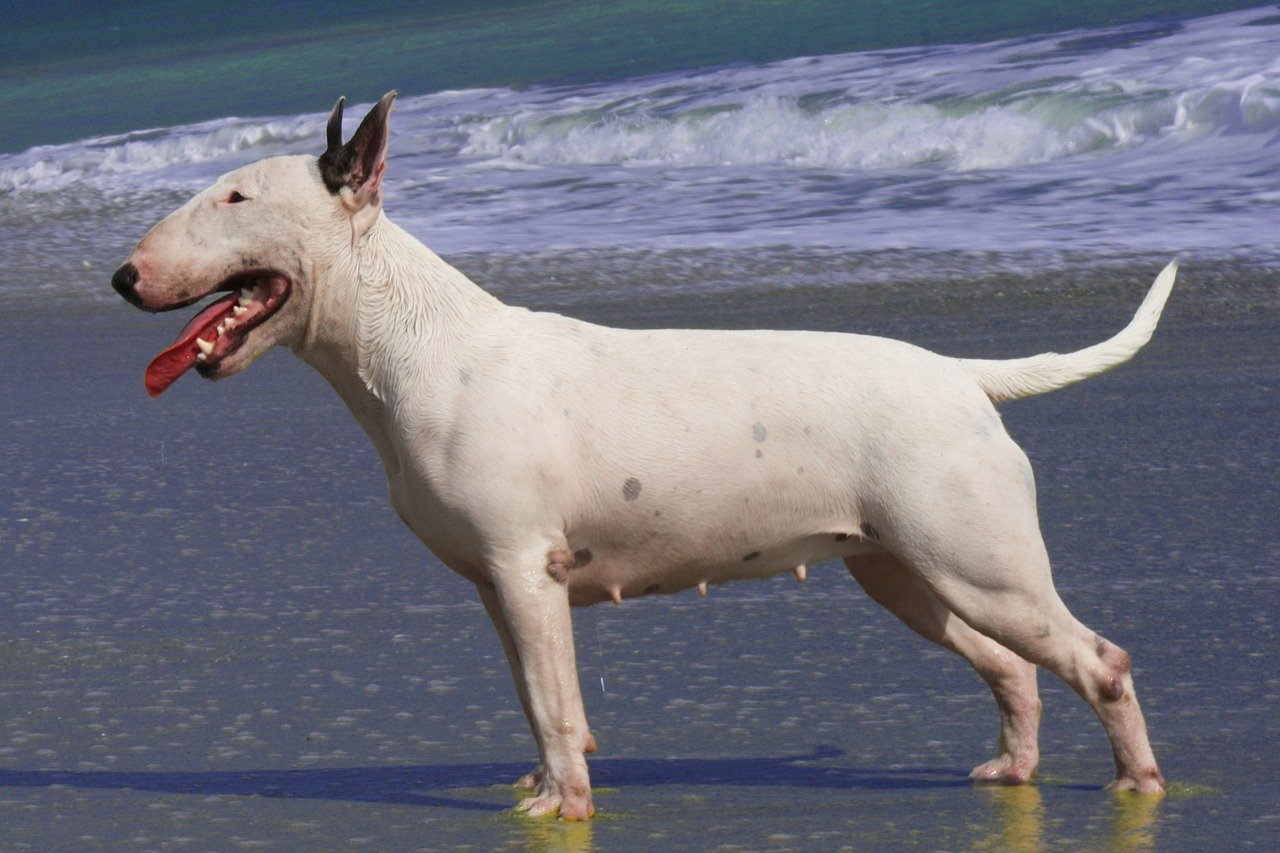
x=388 y=316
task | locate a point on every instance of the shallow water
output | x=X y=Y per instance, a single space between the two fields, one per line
x=216 y=633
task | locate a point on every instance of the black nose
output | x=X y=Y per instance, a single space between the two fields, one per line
x=124 y=281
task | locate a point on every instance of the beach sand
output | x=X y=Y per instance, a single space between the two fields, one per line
x=217 y=633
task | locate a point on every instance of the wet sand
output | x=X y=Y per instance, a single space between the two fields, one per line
x=216 y=634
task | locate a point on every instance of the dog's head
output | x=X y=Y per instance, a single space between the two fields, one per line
x=260 y=234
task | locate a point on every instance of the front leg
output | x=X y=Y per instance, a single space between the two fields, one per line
x=534 y=606
x=489 y=597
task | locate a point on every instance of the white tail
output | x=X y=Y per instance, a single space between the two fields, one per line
x=1024 y=377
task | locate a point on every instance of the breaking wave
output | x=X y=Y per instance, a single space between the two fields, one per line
x=961 y=134
x=157 y=156
x=955 y=109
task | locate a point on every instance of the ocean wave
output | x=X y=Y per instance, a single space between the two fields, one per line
x=961 y=108
x=710 y=123
x=961 y=134
x=158 y=154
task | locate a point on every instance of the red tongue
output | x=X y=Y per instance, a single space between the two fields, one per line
x=165 y=368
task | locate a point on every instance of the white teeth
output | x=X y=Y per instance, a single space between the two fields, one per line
x=205 y=346
x=248 y=295
x=201 y=357
x=239 y=309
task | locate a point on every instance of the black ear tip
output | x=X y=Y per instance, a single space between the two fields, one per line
x=333 y=129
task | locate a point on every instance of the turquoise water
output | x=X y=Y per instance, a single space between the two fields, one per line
x=67 y=73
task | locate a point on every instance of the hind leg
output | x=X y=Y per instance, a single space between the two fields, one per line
x=975 y=542
x=1012 y=680
x=1042 y=630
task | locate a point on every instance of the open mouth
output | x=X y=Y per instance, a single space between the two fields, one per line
x=220 y=328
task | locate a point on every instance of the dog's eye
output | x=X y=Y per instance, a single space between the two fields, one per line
x=235 y=197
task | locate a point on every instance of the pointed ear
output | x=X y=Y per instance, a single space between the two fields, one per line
x=354 y=170
x=333 y=132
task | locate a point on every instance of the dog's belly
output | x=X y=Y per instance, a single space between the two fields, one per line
x=664 y=566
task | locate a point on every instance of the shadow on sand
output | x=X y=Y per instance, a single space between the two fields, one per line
x=428 y=785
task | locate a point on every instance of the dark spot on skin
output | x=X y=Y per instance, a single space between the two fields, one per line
x=808 y=430
x=1119 y=665
x=652 y=588
x=464 y=376
x=988 y=424
x=581 y=557
x=559 y=562
x=758 y=432
x=759 y=453
x=1029 y=479
x=749 y=557
x=631 y=489
x=1114 y=656
x=840 y=537
x=870 y=532
x=657 y=513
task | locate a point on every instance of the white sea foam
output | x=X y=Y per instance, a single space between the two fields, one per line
x=776 y=131
x=151 y=158
x=961 y=110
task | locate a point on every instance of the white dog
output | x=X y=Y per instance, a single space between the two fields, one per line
x=556 y=463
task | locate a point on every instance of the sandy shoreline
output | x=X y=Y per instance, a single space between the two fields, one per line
x=215 y=627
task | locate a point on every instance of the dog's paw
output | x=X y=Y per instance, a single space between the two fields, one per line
x=1004 y=769
x=557 y=803
x=571 y=801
